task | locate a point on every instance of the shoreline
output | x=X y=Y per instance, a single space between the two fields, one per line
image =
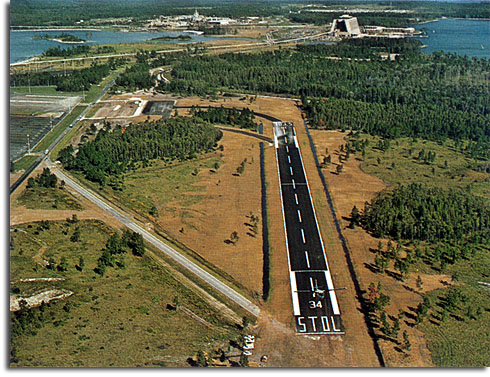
x=29 y=60
x=66 y=42
x=58 y=29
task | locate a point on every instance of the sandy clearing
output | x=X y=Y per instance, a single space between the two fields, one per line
x=39 y=298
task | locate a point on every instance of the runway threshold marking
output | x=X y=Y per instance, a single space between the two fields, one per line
x=294 y=287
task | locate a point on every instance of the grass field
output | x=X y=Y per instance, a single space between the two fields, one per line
x=457 y=338
x=403 y=153
x=120 y=319
x=161 y=184
x=48 y=198
x=40 y=90
x=25 y=162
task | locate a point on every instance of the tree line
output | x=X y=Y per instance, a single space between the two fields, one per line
x=418 y=212
x=66 y=52
x=242 y=118
x=71 y=81
x=114 y=150
x=436 y=96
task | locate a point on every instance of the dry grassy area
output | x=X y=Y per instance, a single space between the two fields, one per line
x=201 y=205
x=354 y=187
x=275 y=327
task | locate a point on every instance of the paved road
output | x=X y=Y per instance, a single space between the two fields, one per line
x=61 y=136
x=168 y=250
x=315 y=305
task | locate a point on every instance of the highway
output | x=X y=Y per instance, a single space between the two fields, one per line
x=35 y=164
x=315 y=305
x=166 y=249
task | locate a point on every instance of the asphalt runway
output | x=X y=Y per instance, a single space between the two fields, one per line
x=315 y=303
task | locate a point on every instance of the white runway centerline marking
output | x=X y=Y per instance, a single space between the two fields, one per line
x=299 y=216
x=312 y=285
x=289 y=159
x=296 y=198
x=294 y=185
x=291 y=170
x=307 y=259
x=287 y=149
x=303 y=235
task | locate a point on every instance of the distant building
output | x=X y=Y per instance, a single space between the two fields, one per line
x=346 y=25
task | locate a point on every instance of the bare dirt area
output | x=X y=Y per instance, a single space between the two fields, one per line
x=353 y=187
x=225 y=202
x=20 y=214
x=13 y=177
x=37 y=299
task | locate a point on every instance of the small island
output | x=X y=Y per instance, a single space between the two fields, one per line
x=62 y=38
x=181 y=37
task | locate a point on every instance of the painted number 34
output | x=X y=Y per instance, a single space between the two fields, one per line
x=315 y=304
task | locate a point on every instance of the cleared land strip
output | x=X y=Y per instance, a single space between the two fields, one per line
x=172 y=253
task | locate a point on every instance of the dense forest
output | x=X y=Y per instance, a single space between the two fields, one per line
x=434 y=96
x=136 y=77
x=114 y=150
x=66 y=52
x=67 y=12
x=233 y=117
x=416 y=212
x=69 y=81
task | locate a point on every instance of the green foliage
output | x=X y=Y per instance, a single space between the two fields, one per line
x=113 y=151
x=66 y=52
x=449 y=95
x=63 y=12
x=243 y=362
x=65 y=37
x=242 y=118
x=118 y=245
x=201 y=360
x=72 y=81
x=136 y=77
x=45 y=179
x=432 y=214
x=456 y=334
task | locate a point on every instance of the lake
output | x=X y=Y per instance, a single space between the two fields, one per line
x=463 y=37
x=23 y=47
